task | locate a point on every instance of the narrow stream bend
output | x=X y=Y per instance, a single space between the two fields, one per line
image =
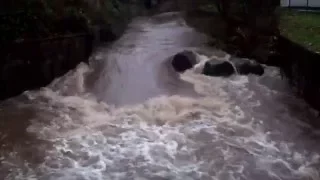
x=129 y=116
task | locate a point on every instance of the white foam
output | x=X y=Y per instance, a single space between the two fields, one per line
x=161 y=138
x=166 y=137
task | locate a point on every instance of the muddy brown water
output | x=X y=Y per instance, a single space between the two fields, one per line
x=128 y=115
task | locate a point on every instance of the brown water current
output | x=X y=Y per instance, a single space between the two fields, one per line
x=128 y=115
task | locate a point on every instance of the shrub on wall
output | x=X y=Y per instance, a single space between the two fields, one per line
x=31 y=19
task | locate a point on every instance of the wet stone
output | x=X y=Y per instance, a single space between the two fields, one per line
x=218 y=68
x=245 y=66
x=184 y=60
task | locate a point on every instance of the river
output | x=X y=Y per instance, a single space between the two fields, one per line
x=128 y=115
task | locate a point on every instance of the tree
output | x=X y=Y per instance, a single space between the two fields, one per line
x=251 y=24
x=222 y=6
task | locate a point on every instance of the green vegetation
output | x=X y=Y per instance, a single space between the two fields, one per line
x=244 y=28
x=32 y=19
x=38 y=19
x=302 y=28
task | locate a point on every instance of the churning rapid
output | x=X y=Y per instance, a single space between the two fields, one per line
x=128 y=115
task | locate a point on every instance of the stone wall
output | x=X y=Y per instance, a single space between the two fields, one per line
x=301 y=67
x=35 y=63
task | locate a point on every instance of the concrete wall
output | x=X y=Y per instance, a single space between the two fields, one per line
x=301 y=67
x=300 y=3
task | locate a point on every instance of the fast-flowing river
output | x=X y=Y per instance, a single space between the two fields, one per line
x=129 y=116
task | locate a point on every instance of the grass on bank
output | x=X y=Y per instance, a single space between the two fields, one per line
x=301 y=27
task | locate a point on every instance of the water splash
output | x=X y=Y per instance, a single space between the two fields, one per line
x=238 y=128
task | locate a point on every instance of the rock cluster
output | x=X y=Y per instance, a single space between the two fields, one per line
x=185 y=60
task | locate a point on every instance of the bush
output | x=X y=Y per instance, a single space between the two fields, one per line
x=251 y=26
x=46 y=18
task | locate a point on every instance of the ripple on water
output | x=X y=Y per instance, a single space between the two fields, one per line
x=165 y=138
x=223 y=135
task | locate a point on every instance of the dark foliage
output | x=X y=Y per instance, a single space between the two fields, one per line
x=251 y=26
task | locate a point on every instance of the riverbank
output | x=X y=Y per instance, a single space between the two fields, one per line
x=299 y=65
x=45 y=40
x=143 y=120
x=298 y=50
x=302 y=27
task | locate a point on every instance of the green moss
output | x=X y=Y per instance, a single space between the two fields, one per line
x=301 y=27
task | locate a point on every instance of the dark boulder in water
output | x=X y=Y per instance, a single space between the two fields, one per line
x=245 y=66
x=184 y=60
x=218 y=68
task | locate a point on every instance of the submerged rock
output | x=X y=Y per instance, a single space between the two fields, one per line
x=184 y=60
x=218 y=68
x=245 y=66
